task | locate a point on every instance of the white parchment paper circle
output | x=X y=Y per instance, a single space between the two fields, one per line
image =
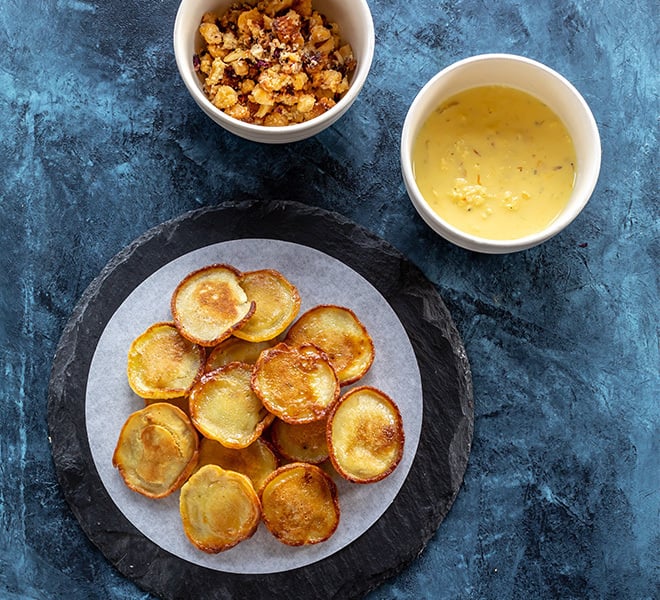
x=320 y=279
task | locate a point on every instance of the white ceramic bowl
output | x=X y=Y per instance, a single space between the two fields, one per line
x=539 y=81
x=356 y=27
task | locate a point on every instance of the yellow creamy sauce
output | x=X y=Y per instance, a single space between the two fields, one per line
x=495 y=162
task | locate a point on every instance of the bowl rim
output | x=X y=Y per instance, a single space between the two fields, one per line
x=295 y=131
x=470 y=241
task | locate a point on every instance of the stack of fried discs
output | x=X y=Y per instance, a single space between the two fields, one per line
x=244 y=411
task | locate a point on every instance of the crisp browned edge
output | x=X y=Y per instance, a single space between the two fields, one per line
x=328 y=433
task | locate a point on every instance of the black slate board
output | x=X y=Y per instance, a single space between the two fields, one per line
x=444 y=445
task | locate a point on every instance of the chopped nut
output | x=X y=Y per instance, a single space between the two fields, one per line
x=247 y=20
x=210 y=33
x=225 y=97
x=238 y=111
x=217 y=51
x=261 y=96
x=229 y=40
x=276 y=119
x=236 y=55
x=315 y=19
x=247 y=85
x=257 y=51
x=217 y=72
x=287 y=28
x=328 y=46
x=303 y=7
x=205 y=62
x=299 y=80
x=272 y=80
x=306 y=103
x=319 y=34
x=240 y=68
x=287 y=99
x=328 y=80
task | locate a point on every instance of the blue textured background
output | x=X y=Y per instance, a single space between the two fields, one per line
x=99 y=141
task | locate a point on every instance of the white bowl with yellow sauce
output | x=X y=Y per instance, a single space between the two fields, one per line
x=499 y=153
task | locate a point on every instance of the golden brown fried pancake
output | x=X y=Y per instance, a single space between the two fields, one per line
x=277 y=303
x=162 y=364
x=365 y=435
x=224 y=408
x=300 y=504
x=339 y=333
x=219 y=509
x=209 y=304
x=156 y=450
x=295 y=383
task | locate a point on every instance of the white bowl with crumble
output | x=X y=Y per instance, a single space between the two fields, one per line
x=274 y=71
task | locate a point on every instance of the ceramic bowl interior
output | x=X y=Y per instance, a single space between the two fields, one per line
x=356 y=26
x=539 y=81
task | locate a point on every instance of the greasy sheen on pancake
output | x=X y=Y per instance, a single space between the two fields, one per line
x=256 y=461
x=209 y=304
x=339 y=333
x=277 y=303
x=235 y=350
x=219 y=509
x=300 y=505
x=302 y=443
x=295 y=383
x=224 y=408
x=162 y=364
x=157 y=450
x=365 y=435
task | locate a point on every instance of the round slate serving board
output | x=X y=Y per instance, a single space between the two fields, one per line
x=447 y=422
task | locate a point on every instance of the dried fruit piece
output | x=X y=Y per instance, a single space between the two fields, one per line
x=209 y=304
x=295 y=383
x=162 y=364
x=277 y=303
x=365 y=435
x=156 y=450
x=341 y=335
x=300 y=505
x=219 y=509
x=224 y=408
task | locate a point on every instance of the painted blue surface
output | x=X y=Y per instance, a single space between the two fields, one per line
x=99 y=141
